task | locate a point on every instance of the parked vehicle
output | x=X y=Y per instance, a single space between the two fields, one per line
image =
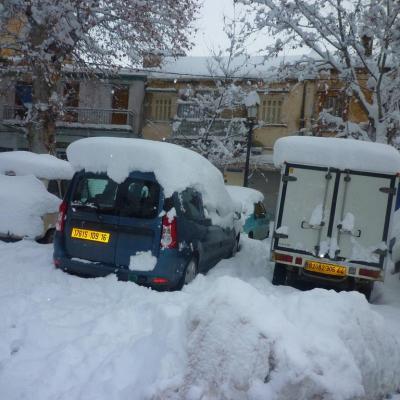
x=255 y=216
x=31 y=189
x=334 y=211
x=133 y=210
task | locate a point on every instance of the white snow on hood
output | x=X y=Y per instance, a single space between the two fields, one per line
x=23 y=201
x=40 y=165
x=337 y=153
x=174 y=167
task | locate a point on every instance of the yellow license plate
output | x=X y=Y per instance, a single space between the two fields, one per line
x=323 y=268
x=95 y=236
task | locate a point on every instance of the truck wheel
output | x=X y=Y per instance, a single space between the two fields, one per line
x=366 y=290
x=279 y=277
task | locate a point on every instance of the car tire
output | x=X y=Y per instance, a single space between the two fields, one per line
x=189 y=274
x=280 y=273
x=366 y=290
x=251 y=235
x=48 y=237
x=235 y=248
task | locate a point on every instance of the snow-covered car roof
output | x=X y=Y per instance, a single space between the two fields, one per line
x=337 y=153
x=24 y=200
x=174 y=167
x=43 y=166
x=246 y=197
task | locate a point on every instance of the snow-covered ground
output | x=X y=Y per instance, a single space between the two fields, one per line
x=228 y=335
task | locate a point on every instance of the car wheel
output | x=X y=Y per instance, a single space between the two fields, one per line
x=251 y=235
x=366 y=290
x=236 y=246
x=279 y=277
x=48 y=237
x=190 y=273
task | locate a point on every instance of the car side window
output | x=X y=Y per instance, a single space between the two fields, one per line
x=259 y=210
x=192 y=204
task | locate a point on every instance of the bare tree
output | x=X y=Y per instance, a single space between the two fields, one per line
x=47 y=37
x=358 y=40
x=219 y=106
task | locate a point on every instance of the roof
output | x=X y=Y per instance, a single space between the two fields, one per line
x=338 y=153
x=200 y=67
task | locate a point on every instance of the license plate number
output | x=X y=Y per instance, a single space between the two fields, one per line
x=94 y=236
x=323 y=268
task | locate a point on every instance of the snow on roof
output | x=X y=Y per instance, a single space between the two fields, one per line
x=175 y=167
x=184 y=67
x=40 y=165
x=245 y=196
x=24 y=200
x=337 y=153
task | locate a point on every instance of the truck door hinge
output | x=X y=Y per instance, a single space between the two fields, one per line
x=380 y=252
x=388 y=190
x=288 y=178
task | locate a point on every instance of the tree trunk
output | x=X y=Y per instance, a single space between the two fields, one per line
x=42 y=126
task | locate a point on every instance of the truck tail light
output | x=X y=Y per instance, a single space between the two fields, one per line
x=370 y=273
x=61 y=216
x=283 y=257
x=169 y=235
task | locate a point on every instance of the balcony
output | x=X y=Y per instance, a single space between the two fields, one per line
x=194 y=128
x=78 y=117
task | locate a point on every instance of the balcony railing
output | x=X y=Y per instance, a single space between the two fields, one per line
x=191 y=128
x=77 y=116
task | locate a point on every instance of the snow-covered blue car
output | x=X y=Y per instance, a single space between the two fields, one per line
x=256 y=218
x=150 y=212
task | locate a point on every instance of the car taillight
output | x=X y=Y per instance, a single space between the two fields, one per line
x=169 y=237
x=61 y=216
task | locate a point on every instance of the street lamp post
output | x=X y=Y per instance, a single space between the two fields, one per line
x=251 y=122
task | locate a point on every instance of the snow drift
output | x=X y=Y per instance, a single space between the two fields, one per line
x=229 y=335
x=40 y=165
x=24 y=200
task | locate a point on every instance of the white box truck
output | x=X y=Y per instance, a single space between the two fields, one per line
x=334 y=211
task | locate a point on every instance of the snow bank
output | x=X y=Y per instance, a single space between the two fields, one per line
x=24 y=200
x=246 y=197
x=229 y=335
x=175 y=167
x=40 y=165
x=337 y=153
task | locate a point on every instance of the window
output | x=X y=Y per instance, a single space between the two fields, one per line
x=96 y=192
x=23 y=99
x=192 y=205
x=162 y=109
x=140 y=198
x=334 y=105
x=271 y=111
x=71 y=98
x=189 y=110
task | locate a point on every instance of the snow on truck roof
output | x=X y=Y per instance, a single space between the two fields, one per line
x=174 y=167
x=43 y=166
x=337 y=153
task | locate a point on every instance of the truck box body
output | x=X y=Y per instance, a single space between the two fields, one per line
x=332 y=223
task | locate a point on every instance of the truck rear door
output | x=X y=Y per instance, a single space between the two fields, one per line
x=339 y=215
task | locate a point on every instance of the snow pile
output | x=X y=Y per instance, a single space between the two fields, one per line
x=142 y=261
x=175 y=168
x=337 y=153
x=247 y=197
x=24 y=200
x=40 y=165
x=228 y=335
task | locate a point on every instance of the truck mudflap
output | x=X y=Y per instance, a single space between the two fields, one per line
x=334 y=217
